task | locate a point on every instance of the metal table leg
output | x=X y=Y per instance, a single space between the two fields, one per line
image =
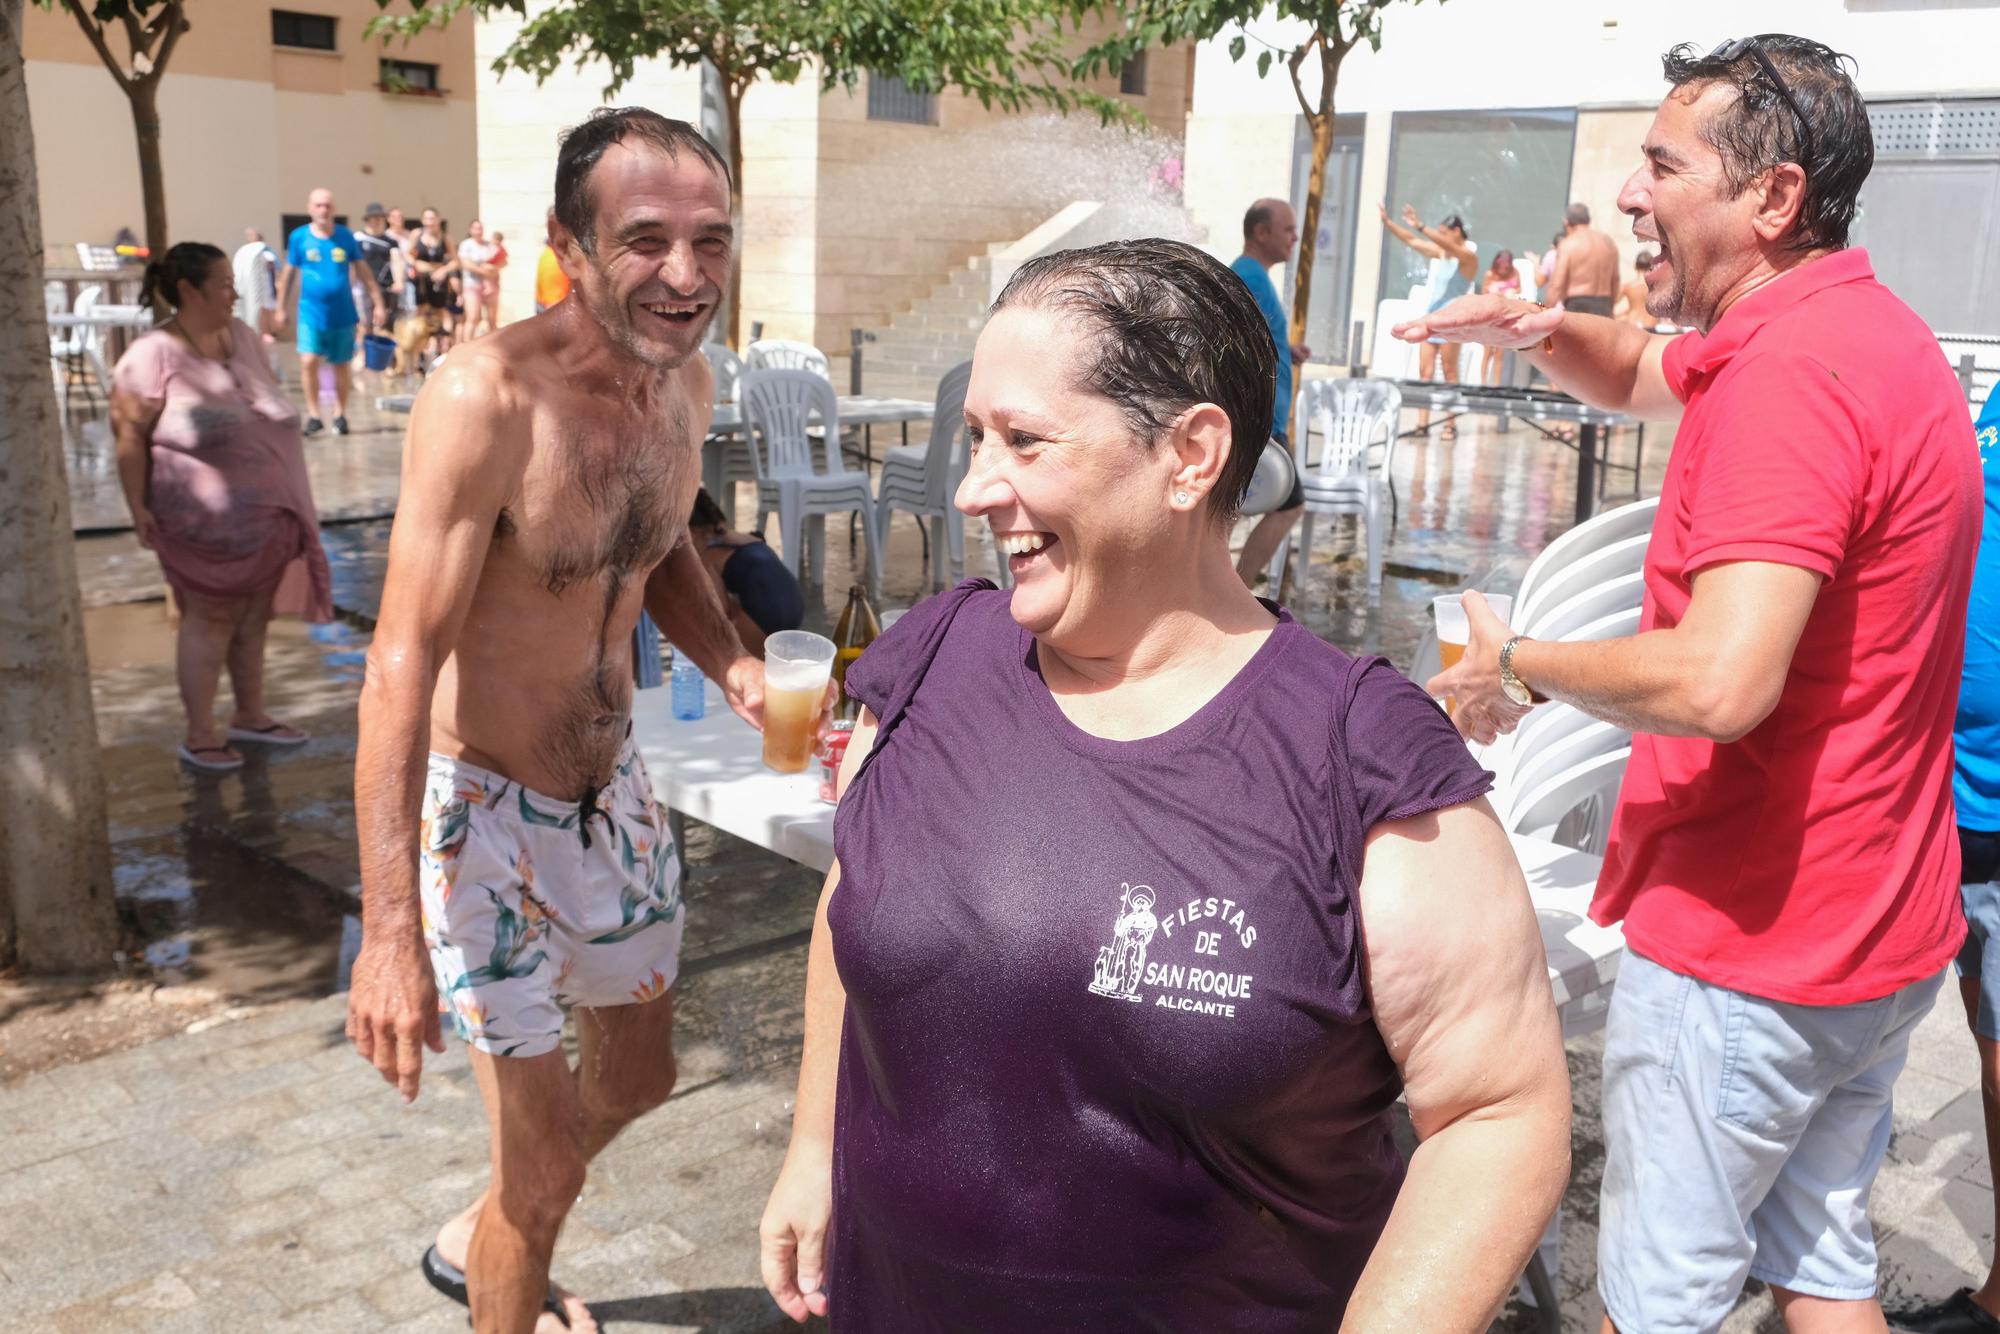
x=1548 y=1318
x=1586 y=471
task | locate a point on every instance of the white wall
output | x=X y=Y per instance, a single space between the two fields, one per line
x=1601 y=56
x=219 y=145
x=236 y=153
x=519 y=121
x=1502 y=53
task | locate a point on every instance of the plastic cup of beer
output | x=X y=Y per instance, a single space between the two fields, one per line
x=1454 y=628
x=797 y=666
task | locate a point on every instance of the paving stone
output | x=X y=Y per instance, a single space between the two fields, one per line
x=242 y=1117
x=311 y=1281
x=330 y=1234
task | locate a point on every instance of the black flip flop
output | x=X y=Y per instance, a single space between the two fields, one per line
x=449 y=1279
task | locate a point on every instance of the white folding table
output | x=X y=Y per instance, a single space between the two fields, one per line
x=713 y=770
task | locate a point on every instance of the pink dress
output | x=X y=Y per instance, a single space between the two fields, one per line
x=226 y=475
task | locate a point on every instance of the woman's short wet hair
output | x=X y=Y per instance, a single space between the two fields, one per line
x=188 y=262
x=1171 y=327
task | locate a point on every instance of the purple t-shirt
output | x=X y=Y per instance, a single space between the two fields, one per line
x=1108 y=1063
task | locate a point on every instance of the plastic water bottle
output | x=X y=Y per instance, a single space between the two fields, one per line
x=687 y=687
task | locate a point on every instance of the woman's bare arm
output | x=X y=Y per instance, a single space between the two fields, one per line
x=132 y=422
x=1461 y=996
x=792 y=1236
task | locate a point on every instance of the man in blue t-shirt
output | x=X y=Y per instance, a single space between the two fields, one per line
x=1976 y=792
x=330 y=259
x=1270 y=234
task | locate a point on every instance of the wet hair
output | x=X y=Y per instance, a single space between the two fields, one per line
x=1577 y=215
x=1828 y=137
x=706 y=513
x=1643 y=260
x=580 y=147
x=1500 y=257
x=1454 y=221
x=188 y=262
x=1171 y=328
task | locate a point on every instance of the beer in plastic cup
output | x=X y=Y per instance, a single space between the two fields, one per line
x=797 y=666
x=1454 y=628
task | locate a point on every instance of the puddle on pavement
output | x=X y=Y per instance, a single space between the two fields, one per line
x=236 y=883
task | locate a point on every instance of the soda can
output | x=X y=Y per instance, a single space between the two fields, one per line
x=832 y=750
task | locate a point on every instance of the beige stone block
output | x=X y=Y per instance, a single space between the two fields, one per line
x=778 y=254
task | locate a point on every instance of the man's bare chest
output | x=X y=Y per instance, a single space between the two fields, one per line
x=601 y=501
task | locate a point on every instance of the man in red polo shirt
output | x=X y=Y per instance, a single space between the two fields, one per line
x=1784 y=854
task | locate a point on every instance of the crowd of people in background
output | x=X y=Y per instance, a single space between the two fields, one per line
x=410 y=285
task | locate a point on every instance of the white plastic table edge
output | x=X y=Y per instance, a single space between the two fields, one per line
x=712 y=769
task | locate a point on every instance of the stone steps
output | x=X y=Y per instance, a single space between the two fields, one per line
x=936 y=333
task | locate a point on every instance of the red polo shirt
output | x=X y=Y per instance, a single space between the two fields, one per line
x=1815 y=860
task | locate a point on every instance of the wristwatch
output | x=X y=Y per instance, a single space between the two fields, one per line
x=1511 y=685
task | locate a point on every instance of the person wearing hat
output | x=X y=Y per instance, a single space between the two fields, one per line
x=1453 y=269
x=384 y=258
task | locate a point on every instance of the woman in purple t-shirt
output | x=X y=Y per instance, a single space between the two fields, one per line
x=1095 y=1039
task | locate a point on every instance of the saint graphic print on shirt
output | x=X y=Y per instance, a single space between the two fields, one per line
x=1192 y=977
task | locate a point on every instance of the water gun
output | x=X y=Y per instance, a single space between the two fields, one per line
x=132 y=252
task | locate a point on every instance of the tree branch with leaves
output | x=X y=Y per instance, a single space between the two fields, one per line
x=1009 y=54
x=1333 y=29
x=149 y=31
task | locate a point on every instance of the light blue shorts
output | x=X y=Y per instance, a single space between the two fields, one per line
x=335 y=345
x=1741 y=1138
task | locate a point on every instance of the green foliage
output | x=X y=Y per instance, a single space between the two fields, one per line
x=1006 y=53
x=1337 y=27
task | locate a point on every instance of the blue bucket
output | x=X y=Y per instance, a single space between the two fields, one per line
x=378 y=351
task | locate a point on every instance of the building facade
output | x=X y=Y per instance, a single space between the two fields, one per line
x=1504 y=112
x=856 y=203
x=259 y=106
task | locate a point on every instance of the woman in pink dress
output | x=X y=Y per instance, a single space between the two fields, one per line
x=1502 y=279
x=214 y=471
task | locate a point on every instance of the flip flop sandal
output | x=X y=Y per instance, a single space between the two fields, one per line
x=449 y=1279
x=192 y=757
x=266 y=735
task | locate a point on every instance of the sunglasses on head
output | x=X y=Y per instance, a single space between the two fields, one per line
x=1731 y=52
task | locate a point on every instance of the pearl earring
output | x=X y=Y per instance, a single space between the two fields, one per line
x=1180 y=497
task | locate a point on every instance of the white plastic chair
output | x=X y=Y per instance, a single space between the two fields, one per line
x=728 y=368
x=1537 y=764
x=73 y=349
x=778 y=409
x=1588 y=570
x=1545 y=810
x=922 y=479
x=736 y=465
x=1591 y=604
x=783 y=354
x=1347 y=415
x=1592 y=535
x=1618 y=625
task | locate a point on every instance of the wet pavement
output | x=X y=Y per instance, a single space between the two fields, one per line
x=252 y=1172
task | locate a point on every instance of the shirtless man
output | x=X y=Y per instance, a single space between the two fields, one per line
x=508 y=830
x=1632 y=299
x=1586 y=277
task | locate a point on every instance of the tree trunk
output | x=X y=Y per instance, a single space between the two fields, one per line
x=56 y=909
x=733 y=89
x=145 y=98
x=1322 y=150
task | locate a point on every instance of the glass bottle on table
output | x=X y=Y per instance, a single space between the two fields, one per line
x=857 y=628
